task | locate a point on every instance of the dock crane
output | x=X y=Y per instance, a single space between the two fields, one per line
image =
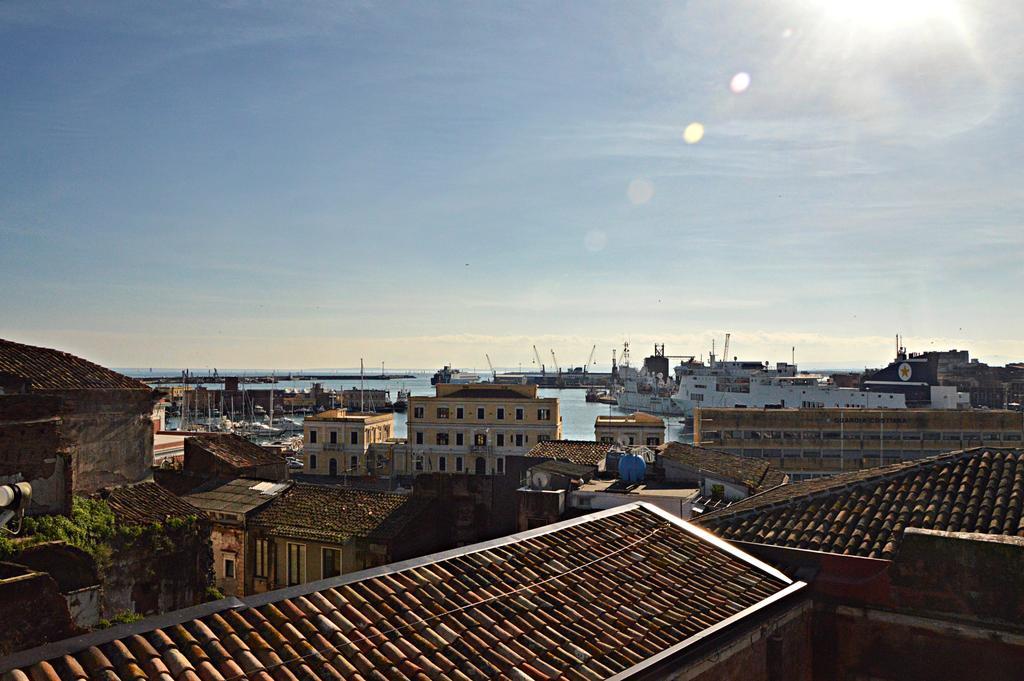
x=554 y=360
x=725 y=347
x=590 y=361
x=494 y=374
x=539 y=363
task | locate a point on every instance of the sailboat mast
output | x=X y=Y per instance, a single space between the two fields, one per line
x=361 y=405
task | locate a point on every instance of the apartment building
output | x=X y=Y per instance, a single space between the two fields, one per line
x=335 y=441
x=814 y=442
x=471 y=428
x=637 y=428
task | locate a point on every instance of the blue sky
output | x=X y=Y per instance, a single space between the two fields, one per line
x=304 y=184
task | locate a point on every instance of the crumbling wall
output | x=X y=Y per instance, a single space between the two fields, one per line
x=32 y=609
x=34 y=450
x=113 y=436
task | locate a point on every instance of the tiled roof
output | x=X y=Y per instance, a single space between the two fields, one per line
x=331 y=513
x=579 y=600
x=864 y=513
x=575 y=470
x=472 y=392
x=147 y=502
x=756 y=474
x=586 y=452
x=233 y=449
x=49 y=369
x=637 y=417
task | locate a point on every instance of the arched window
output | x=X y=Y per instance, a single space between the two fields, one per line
x=353 y=462
x=312 y=462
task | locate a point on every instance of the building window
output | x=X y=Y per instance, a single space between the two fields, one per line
x=331 y=563
x=458 y=464
x=480 y=439
x=334 y=437
x=480 y=413
x=501 y=413
x=312 y=437
x=501 y=440
x=631 y=440
x=459 y=412
x=543 y=414
x=296 y=564
x=332 y=467
x=519 y=439
x=607 y=440
x=312 y=462
x=419 y=462
x=520 y=413
x=459 y=439
x=442 y=412
x=543 y=438
x=419 y=438
x=260 y=559
x=442 y=463
x=353 y=463
x=653 y=441
x=229 y=567
x=501 y=464
x=417 y=412
x=353 y=437
x=442 y=438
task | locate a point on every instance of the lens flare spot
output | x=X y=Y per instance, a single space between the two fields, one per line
x=595 y=240
x=693 y=133
x=740 y=82
x=640 y=191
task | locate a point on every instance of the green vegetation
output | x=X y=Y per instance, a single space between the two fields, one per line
x=125 y=617
x=212 y=594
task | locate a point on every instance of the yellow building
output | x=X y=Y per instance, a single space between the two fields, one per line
x=335 y=441
x=814 y=442
x=637 y=428
x=470 y=428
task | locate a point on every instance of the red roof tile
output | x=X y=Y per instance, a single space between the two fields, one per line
x=584 y=452
x=232 y=449
x=581 y=599
x=756 y=474
x=48 y=369
x=148 y=502
x=864 y=512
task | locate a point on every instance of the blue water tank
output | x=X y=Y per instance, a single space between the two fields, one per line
x=632 y=468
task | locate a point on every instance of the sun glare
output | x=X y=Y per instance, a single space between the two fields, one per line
x=889 y=14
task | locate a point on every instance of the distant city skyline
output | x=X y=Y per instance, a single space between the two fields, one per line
x=304 y=184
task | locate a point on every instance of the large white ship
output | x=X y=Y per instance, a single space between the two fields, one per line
x=909 y=381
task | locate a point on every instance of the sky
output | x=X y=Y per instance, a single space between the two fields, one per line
x=304 y=184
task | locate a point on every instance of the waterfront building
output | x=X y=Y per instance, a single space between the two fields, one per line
x=815 y=442
x=335 y=441
x=637 y=428
x=472 y=428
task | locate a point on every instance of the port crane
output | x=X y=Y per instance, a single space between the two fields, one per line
x=494 y=374
x=590 y=360
x=539 y=363
x=725 y=347
x=554 y=360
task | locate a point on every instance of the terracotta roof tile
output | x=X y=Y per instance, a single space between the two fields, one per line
x=864 y=512
x=335 y=514
x=232 y=449
x=757 y=474
x=52 y=370
x=582 y=599
x=583 y=452
x=148 y=502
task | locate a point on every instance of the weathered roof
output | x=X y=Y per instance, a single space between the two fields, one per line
x=147 y=502
x=345 y=415
x=586 y=452
x=232 y=449
x=611 y=592
x=756 y=474
x=331 y=513
x=490 y=392
x=864 y=512
x=236 y=496
x=48 y=369
x=575 y=470
x=636 y=418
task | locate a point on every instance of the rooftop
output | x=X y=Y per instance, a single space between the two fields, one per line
x=612 y=592
x=865 y=512
x=586 y=452
x=637 y=418
x=573 y=470
x=653 y=488
x=236 y=497
x=232 y=449
x=47 y=369
x=475 y=391
x=334 y=514
x=345 y=415
x=147 y=502
x=756 y=474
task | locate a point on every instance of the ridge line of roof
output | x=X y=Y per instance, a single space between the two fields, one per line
x=883 y=473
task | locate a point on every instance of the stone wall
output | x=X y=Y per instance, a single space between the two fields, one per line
x=33 y=449
x=33 y=610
